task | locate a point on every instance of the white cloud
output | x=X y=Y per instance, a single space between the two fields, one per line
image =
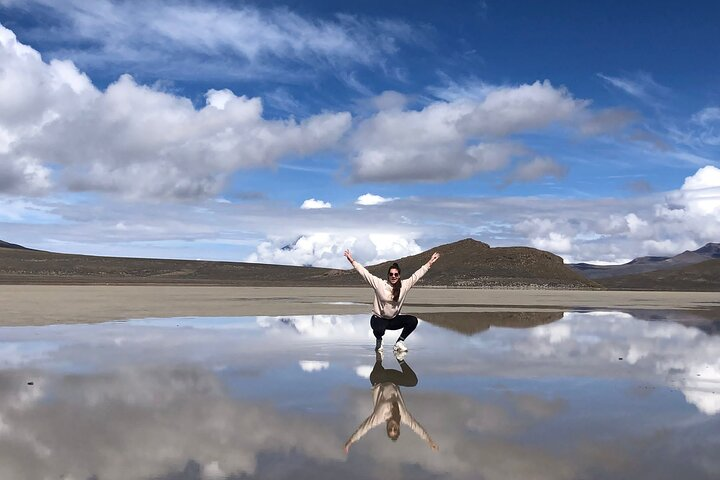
x=131 y=139
x=371 y=199
x=696 y=205
x=312 y=203
x=554 y=242
x=216 y=39
x=707 y=116
x=640 y=85
x=24 y=211
x=326 y=250
x=440 y=143
x=390 y=100
x=682 y=219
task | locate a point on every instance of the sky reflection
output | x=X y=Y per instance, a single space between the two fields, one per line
x=579 y=395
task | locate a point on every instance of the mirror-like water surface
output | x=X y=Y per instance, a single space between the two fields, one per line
x=496 y=396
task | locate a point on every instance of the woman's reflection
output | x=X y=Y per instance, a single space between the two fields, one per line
x=389 y=404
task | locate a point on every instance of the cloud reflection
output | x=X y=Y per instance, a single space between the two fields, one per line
x=224 y=398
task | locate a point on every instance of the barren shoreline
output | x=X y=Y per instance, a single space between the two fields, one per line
x=53 y=304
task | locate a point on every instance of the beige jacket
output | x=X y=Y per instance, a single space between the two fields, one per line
x=383 y=305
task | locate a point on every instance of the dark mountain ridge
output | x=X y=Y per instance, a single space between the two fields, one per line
x=12 y=245
x=466 y=263
x=703 y=276
x=648 y=264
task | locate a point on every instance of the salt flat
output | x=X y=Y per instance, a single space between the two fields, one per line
x=578 y=395
x=52 y=304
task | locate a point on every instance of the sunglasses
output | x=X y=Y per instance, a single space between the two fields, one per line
x=393 y=274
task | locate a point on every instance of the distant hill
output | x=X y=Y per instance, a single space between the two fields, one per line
x=470 y=263
x=467 y=263
x=711 y=250
x=19 y=265
x=704 y=276
x=648 y=264
x=12 y=245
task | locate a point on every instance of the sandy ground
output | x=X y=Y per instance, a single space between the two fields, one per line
x=45 y=305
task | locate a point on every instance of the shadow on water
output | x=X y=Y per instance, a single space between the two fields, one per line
x=592 y=395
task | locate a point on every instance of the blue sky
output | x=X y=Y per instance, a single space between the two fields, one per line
x=191 y=129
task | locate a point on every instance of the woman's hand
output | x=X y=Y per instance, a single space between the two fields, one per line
x=433 y=259
x=348 y=255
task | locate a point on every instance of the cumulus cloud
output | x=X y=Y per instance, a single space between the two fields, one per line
x=312 y=203
x=696 y=206
x=371 y=199
x=682 y=219
x=132 y=139
x=390 y=100
x=439 y=142
x=596 y=229
x=554 y=242
x=326 y=250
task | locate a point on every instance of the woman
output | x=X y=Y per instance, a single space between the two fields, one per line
x=389 y=297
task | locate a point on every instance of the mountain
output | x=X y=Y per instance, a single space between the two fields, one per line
x=35 y=266
x=711 y=250
x=467 y=263
x=648 y=264
x=704 y=276
x=470 y=263
x=12 y=245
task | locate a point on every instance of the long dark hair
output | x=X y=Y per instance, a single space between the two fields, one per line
x=398 y=284
x=394 y=419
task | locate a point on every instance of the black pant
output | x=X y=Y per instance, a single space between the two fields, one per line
x=406 y=322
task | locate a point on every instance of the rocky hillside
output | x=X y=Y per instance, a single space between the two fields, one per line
x=470 y=263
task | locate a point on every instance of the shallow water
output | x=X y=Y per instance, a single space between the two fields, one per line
x=503 y=395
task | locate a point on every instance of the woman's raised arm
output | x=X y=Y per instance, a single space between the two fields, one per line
x=422 y=270
x=374 y=281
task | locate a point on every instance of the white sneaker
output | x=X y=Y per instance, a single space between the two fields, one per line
x=400 y=356
x=400 y=346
